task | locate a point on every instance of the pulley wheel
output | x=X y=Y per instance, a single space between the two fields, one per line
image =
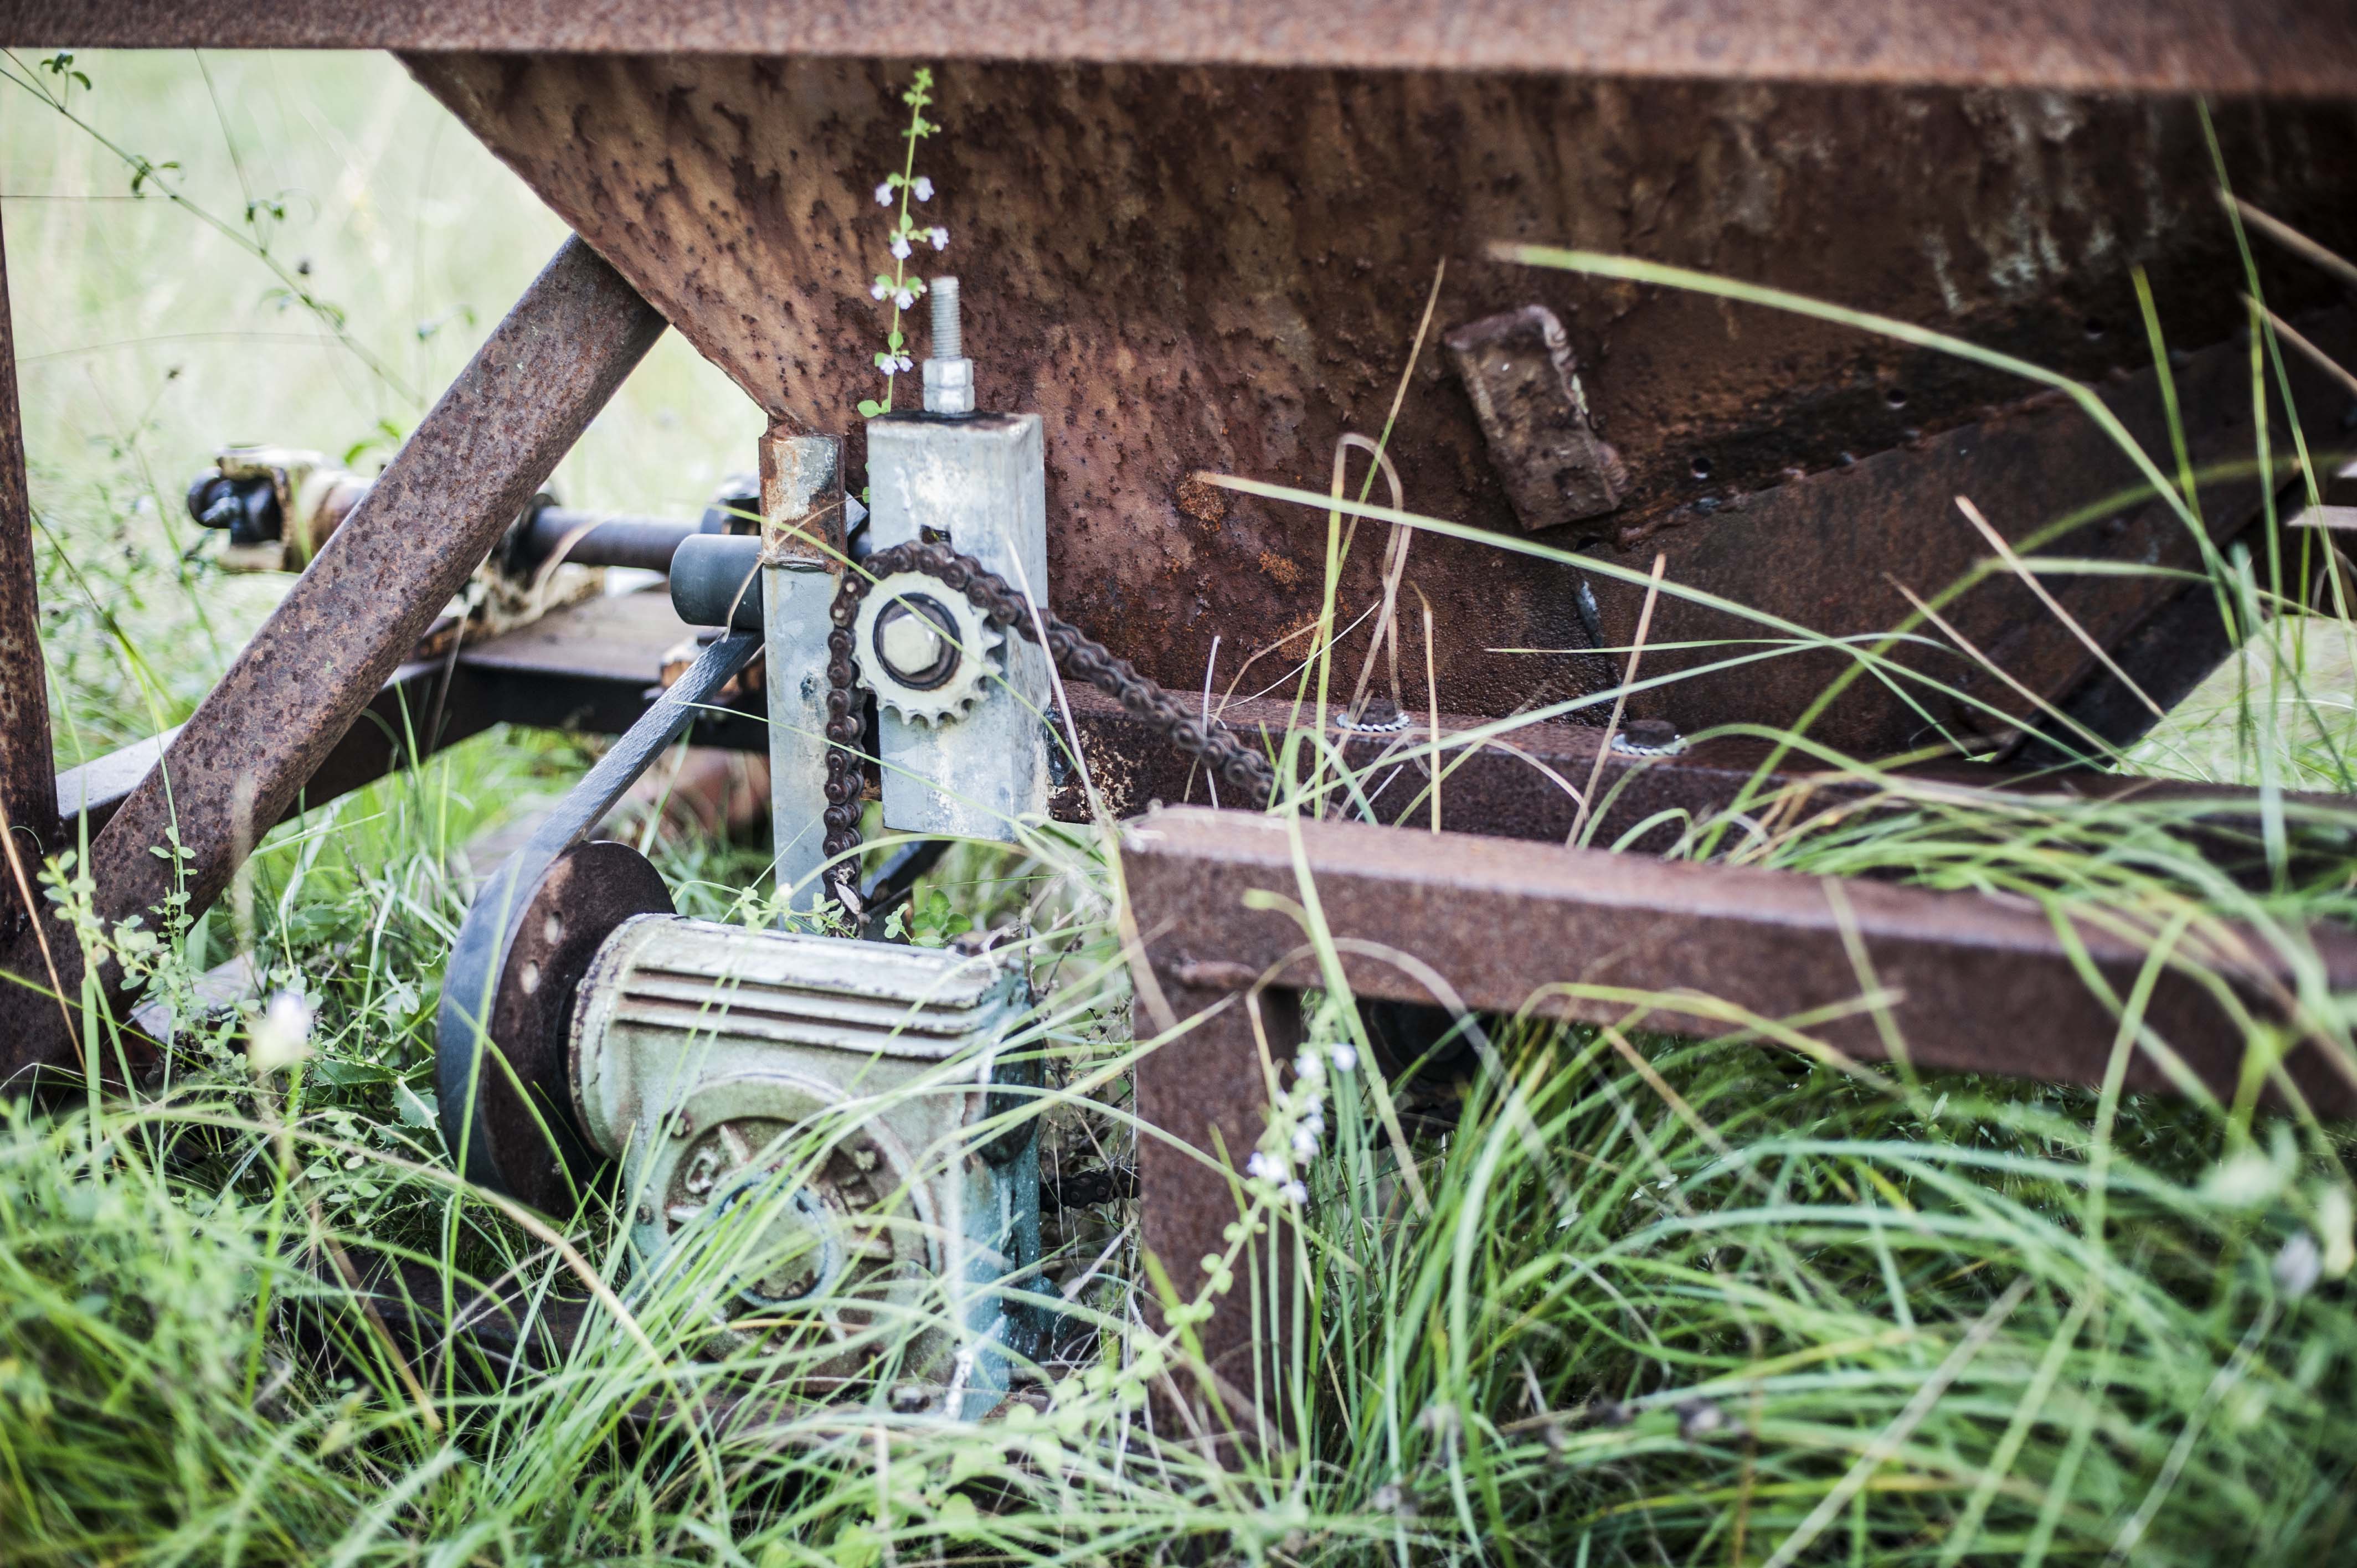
x=509 y=1109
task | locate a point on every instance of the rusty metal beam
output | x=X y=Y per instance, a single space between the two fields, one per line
x=1981 y=985
x=28 y=781
x=2176 y=46
x=1978 y=985
x=293 y=691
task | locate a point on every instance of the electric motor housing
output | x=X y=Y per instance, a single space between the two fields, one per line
x=864 y=1105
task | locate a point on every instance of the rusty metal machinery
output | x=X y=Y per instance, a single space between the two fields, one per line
x=277 y=505
x=1204 y=244
x=851 y=1097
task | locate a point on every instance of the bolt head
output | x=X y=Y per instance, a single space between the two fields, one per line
x=909 y=642
x=914 y=638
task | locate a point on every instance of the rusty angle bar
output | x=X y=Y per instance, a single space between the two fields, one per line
x=355 y=614
x=28 y=781
x=1981 y=984
x=1975 y=984
x=2281 y=45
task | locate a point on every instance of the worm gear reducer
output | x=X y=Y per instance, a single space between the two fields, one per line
x=835 y=1131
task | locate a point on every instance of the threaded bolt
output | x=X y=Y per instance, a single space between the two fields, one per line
x=949 y=338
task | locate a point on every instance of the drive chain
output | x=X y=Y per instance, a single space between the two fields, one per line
x=1078 y=655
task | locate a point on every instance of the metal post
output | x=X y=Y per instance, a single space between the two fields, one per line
x=457 y=483
x=29 y=790
x=801 y=553
x=1202 y=1096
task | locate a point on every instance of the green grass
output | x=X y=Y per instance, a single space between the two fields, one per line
x=1630 y=1300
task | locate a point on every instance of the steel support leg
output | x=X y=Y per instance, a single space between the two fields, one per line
x=460 y=479
x=1202 y=1096
x=27 y=778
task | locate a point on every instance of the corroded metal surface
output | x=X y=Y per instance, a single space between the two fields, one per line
x=1969 y=983
x=590 y=667
x=2284 y=46
x=1976 y=985
x=1223 y=270
x=524 y=1139
x=1202 y=1096
x=296 y=689
x=1834 y=551
x=28 y=779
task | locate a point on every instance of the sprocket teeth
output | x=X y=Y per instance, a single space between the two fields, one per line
x=956 y=697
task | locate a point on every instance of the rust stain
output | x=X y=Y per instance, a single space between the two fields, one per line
x=1202 y=501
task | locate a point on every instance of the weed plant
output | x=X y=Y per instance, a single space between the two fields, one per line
x=1605 y=1297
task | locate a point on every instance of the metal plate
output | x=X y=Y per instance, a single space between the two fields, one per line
x=2283 y=45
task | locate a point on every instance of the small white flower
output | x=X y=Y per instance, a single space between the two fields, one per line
x=1305 y=1142
x=1316 y=1122
x=1308 y=1067
x=2299 y=1265
x=905 y=299
x=1262 y=1168
x=906 y=363
x=883 y=194
x=900 y=247
x=1293 y=1192
x=940 y=238
x=1346 y=1058
x=923 y=188
x=879 y=291
x=282 y=1036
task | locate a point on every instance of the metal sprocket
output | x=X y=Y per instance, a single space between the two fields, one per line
x=976 y=640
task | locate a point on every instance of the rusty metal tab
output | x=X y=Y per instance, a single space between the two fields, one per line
x=1519 y=371
x=455 y=486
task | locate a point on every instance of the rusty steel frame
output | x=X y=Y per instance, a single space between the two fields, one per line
x=295 y=689
x=2161 y=45
x=1726 y=461
x=1968 y=983
x=595 y=667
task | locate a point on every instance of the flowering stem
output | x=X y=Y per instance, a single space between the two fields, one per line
x=898 y=287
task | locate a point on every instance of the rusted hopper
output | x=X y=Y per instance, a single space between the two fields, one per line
x=1200 y=238
x=1223 y=269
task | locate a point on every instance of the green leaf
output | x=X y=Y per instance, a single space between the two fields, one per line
x=869 y=408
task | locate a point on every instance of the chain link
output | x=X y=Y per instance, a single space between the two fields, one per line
x=1078 y=655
